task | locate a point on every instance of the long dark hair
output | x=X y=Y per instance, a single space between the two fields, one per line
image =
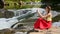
x=49 y=8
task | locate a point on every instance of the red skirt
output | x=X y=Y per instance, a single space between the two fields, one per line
x=42 y=24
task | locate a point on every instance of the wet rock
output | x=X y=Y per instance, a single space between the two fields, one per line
x=20 y=32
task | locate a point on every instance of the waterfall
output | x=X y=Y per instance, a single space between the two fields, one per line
x=20 y=14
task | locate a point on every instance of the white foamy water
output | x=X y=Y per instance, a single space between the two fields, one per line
x=21 y=33
x=57 y=24
x=7 y=23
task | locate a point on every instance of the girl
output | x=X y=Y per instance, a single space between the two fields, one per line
x=44 y=22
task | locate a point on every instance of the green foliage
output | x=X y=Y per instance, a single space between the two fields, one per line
x=53 y=3
x=26 y=0
x=12 y=6
x=1 y=4
x=1 y=15
x=6 y=14
x=50 y=1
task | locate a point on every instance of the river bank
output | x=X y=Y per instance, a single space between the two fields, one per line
x=52 y=30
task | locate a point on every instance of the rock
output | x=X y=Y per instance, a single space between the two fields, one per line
x=20 y=32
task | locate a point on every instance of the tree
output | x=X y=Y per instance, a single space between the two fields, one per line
x=1 y=4
x=50 y=1
x=53 y=3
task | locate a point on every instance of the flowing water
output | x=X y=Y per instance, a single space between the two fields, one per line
x=7 y=23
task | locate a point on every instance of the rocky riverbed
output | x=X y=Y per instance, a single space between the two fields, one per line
x=52 y=30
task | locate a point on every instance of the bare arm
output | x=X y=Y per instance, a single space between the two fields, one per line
x=43 y=16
